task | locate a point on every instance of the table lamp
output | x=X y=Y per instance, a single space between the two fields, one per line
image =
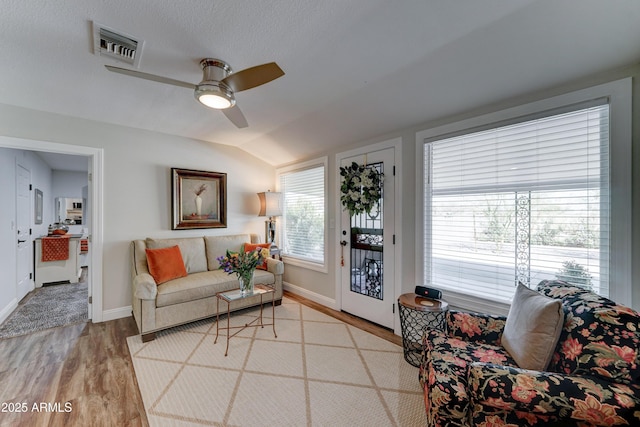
x=270 y=206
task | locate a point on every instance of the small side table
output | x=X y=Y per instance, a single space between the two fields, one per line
x=418 y=313
x=235 y=295
x=275 y=251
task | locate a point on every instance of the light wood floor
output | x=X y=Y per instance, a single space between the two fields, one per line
x=87 y=367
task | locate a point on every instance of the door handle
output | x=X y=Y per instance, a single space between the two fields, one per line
x=21 y=241
x=343 y=243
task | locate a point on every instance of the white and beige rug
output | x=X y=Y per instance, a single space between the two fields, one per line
x=319 y=371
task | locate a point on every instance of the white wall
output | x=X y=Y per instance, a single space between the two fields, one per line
x=7 y=233
x=69 y=183
x=137 y=184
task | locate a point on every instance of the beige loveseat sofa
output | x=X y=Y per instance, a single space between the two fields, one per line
x=190 y=298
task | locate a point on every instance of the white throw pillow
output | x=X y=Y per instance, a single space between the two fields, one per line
x=533 y=328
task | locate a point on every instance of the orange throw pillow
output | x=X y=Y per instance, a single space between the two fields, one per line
x=248 y=247
x=165 y=264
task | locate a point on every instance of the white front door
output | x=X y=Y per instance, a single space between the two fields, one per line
x=23 y=220
x=368 y=251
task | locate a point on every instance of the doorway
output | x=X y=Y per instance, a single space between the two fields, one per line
x=94 y=205
x=368 y=278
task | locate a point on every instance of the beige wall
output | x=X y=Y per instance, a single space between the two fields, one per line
x=137 y=183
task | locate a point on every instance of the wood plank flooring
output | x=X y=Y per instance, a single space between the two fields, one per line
x=83 y=374
x=85 y=366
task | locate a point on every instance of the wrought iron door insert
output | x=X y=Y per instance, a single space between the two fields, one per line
x=367 y=249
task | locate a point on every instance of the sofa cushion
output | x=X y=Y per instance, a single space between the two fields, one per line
x=600 y=338
x=203 y=285
x=248 y=247
x=165 y=264
x=532 y=329
x=216 y=246
x=192 y=249
x=194 y=286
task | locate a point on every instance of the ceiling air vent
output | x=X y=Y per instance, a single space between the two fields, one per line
x=117 y=45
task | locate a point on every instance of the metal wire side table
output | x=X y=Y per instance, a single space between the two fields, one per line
x=418 y=313
x=235 y=295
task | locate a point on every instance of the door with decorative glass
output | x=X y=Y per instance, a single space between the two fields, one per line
x=366 y=236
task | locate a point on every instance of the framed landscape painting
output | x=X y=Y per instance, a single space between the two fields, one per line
x=199 y=199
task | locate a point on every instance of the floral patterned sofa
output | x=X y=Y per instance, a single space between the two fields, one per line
x=593 y=378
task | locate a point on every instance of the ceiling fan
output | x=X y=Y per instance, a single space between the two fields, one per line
x=218 y=85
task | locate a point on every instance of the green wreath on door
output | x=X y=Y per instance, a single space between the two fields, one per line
x=361 y=188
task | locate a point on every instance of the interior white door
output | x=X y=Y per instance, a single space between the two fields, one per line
x=368 y=249
x=87 y=196
x=23 y=219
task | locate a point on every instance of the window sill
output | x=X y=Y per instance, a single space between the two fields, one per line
x=466 y=302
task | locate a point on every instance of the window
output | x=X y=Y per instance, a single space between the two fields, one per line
x=540 y=190
x=302 y=229
x=520 y=203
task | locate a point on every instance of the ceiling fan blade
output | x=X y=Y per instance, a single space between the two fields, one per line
x=235 y=115
x=252 y=77
x=147 y=76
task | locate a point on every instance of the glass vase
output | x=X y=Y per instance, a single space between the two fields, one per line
x=246 y=283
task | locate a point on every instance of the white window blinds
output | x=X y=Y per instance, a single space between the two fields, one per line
x=521 y=202
x=303 y=213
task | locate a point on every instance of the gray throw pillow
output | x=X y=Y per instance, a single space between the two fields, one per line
x=533 y=328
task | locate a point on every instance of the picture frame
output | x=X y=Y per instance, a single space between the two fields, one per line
x=38 y=201
x=199 y=199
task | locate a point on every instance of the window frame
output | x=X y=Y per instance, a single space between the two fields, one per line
x=297 y=167
x=619 y=94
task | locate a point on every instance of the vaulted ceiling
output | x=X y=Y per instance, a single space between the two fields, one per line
x=354 y=69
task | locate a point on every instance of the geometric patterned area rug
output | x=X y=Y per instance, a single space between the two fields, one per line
x=48 y=307
x=319 y=371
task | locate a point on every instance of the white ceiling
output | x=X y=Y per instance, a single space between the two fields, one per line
x=354 y=69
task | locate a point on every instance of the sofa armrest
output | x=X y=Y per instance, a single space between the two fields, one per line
x=144 y=287
x=468 y=326
x=549 y=396
x=275 y=266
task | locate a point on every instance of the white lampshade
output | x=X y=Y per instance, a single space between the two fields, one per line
x=270 y=204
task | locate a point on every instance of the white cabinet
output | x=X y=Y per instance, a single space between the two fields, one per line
x=58 y=271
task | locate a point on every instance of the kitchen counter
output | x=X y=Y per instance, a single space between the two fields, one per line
x=71 y=236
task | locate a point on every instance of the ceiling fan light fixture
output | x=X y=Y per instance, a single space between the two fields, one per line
x=215 y=95
x=218 y=85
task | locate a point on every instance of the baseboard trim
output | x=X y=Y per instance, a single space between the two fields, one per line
x=8 y=310
x=116 y=313
x=320 y=299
